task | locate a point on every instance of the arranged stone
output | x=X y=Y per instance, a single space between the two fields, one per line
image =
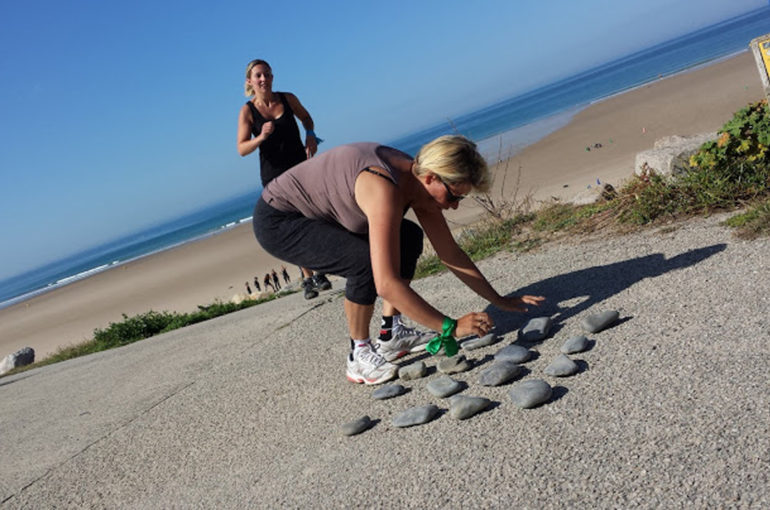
x=412 y=371
x=454 y=365
x=443 y=387
x=530 y=393
x=575 y=344
x=20 y=358
x=356 y=426
x=597 y=322
x=465 y=406
x=477 y=343
x=536 y=329
x=499 y=373
x=388 y=391
x=514 y=354
x=416 y=416
x=562 y=366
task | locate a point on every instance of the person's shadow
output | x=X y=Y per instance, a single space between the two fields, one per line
x=588 y=287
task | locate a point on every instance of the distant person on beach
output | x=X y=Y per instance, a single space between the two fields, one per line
x=248 y=289
x=267 y=122
x=276 y=283
x=285 y=275
x=342 y=213
x=256 y=284
x=267 y=282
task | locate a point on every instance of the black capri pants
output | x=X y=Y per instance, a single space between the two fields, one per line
x=329 y=248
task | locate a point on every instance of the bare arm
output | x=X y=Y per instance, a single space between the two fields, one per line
x=247 y=144
x=311 y=147
x=435 y=226
x=380 y=201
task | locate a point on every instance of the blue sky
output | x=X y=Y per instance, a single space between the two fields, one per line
x=121 y=115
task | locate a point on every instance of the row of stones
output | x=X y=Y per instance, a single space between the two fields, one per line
x=525 y=394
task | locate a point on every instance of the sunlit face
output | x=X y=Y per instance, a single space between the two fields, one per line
x=261 y=78
x=448 y=195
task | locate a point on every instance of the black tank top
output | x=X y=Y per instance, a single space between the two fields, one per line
x=283 y=148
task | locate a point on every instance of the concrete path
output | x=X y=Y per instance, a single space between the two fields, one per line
x=671 y=407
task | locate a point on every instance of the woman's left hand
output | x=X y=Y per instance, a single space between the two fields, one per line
x=518 y=303
x=311 y=146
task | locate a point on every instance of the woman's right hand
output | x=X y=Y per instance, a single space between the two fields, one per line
x=474 y=323
x=267 y=130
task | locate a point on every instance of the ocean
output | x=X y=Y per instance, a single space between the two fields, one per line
x=500 y=129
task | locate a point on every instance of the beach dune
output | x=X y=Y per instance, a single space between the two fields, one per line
x=557 y=166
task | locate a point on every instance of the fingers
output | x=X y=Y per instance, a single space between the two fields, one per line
x=474 y=323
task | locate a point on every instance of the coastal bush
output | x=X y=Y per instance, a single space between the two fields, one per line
x=723 y=174
x=745 y=137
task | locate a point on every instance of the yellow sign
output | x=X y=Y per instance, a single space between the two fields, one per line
x=764 y=49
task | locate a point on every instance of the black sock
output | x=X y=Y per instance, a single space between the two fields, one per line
x=386 y=327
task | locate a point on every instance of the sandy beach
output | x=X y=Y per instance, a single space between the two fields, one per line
x=557 y=166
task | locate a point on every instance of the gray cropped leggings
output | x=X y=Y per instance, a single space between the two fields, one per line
x=331 y=249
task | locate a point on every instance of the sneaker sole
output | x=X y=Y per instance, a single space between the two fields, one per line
x=364 y=380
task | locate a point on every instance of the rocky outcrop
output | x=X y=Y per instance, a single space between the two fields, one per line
x=20 y=358
x=670 y=155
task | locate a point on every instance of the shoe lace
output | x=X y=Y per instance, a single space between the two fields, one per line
x=371 y=357
x=403 y=331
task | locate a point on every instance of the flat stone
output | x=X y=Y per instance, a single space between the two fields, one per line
x=530 y=393
x=499 y=373
x=416 y=416
x=576 y=344
x=536 y=329
x=562 y=366
x=462 y=407
x=388 y=391
x=478 y=343
x=454 y=365
x=514 y=354
x=356 y=426
x=412 y=371
x=443 y=387
x=597 y=322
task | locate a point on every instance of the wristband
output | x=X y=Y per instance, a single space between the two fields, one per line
x=310 y=132
x=445 y=339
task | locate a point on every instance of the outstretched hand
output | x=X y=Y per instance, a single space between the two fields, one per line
x=519 y=303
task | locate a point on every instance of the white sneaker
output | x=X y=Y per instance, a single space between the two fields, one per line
x=403 y=341
x=366 y=366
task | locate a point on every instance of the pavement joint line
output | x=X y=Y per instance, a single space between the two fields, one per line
x=98 y=440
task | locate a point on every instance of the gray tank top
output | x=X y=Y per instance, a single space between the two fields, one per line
x=323 y=187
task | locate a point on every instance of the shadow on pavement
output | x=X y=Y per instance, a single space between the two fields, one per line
x=593 y=285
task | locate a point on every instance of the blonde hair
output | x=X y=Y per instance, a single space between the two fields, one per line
x=247 y=89
x=453 y=159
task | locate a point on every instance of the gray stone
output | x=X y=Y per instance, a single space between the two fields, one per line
x=465 y=406
x=356 y=426
x=530 y=393
x=562 y=366
x=416 y=416
x=412 y=371
x=513 y=353
x=536 y=329
x=20 y=358
x=477 y=343
x=670 y=155
x=575 y=344
x=443 y=387
x=388 y=391
x=454 y=365
x=499 y=373
x=599 y=321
